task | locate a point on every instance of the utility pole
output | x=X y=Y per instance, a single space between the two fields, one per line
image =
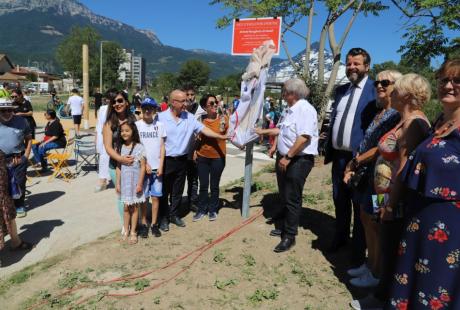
x=100 y=70
x=85 y=86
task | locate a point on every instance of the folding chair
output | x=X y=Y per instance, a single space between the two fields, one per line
x=85 y=154
x=59 y=161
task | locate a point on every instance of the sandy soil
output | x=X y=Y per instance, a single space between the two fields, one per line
x=240 y=272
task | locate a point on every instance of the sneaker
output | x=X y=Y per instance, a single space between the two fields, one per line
x=357 y=272
x=155 y=231
x=212 y=216
x=364 y=281
x=143 y=231
x=100 y=188
x=367 y=303
x=164 y=224
x=21 y=212
x=198 y=216
x=177 y=221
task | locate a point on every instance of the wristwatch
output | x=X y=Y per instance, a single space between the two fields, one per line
x=287 y=157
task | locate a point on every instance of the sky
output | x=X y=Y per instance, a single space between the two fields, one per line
x=191 y=24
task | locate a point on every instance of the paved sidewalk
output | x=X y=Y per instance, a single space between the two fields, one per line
x=62 y=216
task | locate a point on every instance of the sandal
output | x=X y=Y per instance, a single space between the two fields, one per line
x=23 y=246
x=124 y=237
x=133 y=238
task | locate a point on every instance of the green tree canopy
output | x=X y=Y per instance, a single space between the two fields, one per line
x=164 y=83
x=194 y=72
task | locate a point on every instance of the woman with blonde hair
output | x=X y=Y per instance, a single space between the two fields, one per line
x=428 y=268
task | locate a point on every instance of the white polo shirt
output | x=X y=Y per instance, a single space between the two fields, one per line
x=350 y=117
x=300 y=119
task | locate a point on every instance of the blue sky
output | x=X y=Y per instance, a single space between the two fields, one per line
x=190 y=24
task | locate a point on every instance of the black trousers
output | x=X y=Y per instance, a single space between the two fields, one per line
x=21 y=177
x=344 y=204
x=173 y=185
x=192 y=181
x=290 y=187
x=209 y=170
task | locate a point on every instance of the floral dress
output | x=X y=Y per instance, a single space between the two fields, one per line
x=428 y=269
x=7 y=209
x=130 y=175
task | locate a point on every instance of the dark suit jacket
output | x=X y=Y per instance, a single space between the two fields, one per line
x=364 y=115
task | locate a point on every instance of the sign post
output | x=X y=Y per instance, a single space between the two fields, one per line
x=247 y=179
x=250 y=33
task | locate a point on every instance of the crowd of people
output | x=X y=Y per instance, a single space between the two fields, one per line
x=395 y=174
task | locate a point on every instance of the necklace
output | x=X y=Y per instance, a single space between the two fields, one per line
x=444 y=128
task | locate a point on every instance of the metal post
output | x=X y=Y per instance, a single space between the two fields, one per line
x=85 y=86
x=247 y=179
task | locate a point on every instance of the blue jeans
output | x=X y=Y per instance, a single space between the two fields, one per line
x=209 y=173
x=40 y=152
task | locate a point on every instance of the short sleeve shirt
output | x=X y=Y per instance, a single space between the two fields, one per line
x=76 y=104
x=12 y=135
x=151 y=136
x=179 y=133
x=300 y=119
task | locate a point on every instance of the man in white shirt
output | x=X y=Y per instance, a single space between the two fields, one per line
x=297 y=146
x=75 y=103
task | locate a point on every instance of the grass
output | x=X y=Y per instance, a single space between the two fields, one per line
x=72 y=279
x=249 y=260
x=222 y=284
x=219 y=256
x=261 y=294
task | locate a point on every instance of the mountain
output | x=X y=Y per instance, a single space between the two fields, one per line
x=284 y=70
x=32 y=30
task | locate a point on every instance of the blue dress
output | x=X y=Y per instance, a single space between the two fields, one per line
x=428 y=269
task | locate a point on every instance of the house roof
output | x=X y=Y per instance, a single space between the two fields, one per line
x=4 y=56
x=8 y=76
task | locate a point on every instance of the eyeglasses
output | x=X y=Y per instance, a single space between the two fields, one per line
x=190 y=94
x=14 y=97
x=384 y=83
x=454 y=80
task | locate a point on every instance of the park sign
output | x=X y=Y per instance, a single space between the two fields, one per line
x=250 y=33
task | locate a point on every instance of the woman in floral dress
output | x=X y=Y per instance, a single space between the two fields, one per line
x=428 y=269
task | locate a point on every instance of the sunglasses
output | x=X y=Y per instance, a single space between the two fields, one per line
x=212 y=103
x=384 y=83
x=454 y=80
x=119 y=101
x=14 y=97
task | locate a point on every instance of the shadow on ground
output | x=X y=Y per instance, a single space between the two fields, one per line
x=33 y=233
x=38 y=200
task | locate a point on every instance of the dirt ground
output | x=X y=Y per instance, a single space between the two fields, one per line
x=230 y=265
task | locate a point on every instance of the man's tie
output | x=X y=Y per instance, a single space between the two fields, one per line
x=341 y=132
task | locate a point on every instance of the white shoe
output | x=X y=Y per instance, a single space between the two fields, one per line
x=357 y=272
x=367 y=303
x=366 y=280
x=100 y=188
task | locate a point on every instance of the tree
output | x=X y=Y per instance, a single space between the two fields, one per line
x=194 y=72
x=426 y=29
x=293 y=11
x=32 y=76
x=69 y=52
x=165 y=83
x=112 y=57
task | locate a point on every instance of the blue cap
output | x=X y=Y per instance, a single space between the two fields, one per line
x=149 y=102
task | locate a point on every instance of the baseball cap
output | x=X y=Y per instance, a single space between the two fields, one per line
x=149 y=102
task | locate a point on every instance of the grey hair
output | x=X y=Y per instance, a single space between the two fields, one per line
x=296 y=87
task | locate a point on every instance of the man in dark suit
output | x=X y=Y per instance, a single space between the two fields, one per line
x=352 y=112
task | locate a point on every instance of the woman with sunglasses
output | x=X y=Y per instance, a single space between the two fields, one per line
x=428 y=268
x=386 y=118
x=118 y=112
x=211 y=154
x=24 y=109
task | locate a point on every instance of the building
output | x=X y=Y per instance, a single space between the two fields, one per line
x=132 y=71
x=5 y=64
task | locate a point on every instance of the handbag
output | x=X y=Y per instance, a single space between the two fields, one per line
x=357 y=179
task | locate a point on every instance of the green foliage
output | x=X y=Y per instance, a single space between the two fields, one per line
x=227 y=86
x=69 y=52
x=426 y=29
x=112 y=57
x=72 y=279
x=249 y=260
x=219 y=256
x=194 y=72
x=222 y=284
x=261 y=294
x=165 y=83
x=141 y=284
x=31 y=76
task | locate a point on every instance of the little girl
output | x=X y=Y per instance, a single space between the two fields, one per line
x=130 y=179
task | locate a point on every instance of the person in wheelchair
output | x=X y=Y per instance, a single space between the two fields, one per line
x=54 y=139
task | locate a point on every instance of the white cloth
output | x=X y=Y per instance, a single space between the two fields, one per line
x=76 y=104
x=129 y=176
x=151 y=136
x=104 y=158
x=300 y=119
x=350 y=117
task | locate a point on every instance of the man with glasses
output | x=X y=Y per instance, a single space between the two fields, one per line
x=353 y=110
x=16 y=144
x=24 y=109
x=181 y=126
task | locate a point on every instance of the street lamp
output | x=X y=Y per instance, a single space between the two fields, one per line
x=100 y=69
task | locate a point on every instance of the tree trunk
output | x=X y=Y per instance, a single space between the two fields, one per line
x=322 y=45
x=306 y=65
